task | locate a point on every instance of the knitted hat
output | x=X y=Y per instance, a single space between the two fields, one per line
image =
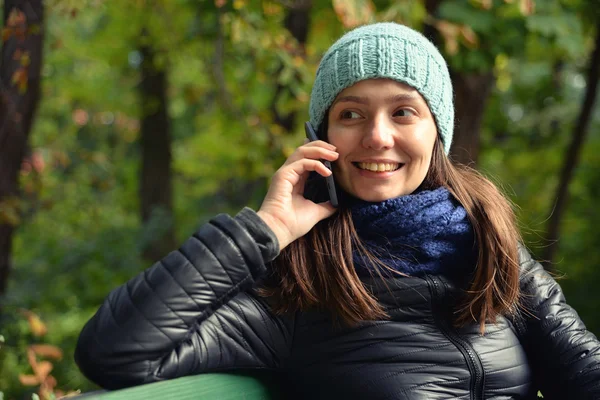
x=386 y=50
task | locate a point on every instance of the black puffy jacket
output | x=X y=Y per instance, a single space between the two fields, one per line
x=194 y=311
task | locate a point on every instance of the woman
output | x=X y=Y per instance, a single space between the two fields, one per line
x=414 y=288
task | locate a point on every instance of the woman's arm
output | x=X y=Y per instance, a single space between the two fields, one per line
x=564 y=354
x=189 y=313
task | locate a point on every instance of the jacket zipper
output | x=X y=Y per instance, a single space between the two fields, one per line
x=473 y=361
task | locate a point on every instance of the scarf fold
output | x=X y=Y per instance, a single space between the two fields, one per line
x=424 y=232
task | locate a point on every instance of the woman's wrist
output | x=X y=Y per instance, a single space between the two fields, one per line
x=280 y=232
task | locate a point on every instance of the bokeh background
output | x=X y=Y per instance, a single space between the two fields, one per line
x=125 y=125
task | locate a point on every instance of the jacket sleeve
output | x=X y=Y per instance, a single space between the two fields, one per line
x=564 y=355
x=189 y=313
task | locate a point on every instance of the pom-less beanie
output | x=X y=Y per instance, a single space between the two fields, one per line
x=386 y=50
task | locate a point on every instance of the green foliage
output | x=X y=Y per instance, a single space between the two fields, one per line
x=81 y=234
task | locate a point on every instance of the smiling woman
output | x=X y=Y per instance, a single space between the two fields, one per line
x=415 y=287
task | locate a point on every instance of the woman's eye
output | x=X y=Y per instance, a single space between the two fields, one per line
x=404 y=113
x=349 y=115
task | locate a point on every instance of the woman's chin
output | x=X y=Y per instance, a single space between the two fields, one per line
x=376 y=196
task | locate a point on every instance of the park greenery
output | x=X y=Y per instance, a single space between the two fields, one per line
x=233 y=78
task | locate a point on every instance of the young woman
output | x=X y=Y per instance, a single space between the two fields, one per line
x=415 y=287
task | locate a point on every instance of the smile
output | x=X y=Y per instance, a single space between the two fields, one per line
x=378 y=167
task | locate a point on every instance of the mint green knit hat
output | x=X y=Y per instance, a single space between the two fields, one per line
x=386 y=50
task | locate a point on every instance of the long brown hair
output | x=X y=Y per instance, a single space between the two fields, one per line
x=317 y=270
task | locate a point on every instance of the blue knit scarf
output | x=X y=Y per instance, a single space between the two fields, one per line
x=424 y=232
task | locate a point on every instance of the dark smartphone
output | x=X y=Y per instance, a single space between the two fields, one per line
x=312 y=136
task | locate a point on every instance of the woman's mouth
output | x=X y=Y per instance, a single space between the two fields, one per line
x=377 y=167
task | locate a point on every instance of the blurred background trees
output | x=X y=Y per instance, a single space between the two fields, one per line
x=155 y=115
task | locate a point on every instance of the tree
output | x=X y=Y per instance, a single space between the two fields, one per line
x=573 y=152
x=155 y=143
x=20 y=69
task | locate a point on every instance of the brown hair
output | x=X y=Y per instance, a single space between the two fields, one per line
x=317 y=270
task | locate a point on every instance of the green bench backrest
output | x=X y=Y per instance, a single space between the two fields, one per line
x=198 y=387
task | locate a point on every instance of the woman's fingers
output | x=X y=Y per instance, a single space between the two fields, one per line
x=294 y=171
x=314 y=150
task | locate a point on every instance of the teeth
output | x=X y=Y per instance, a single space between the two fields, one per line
x=380 y=167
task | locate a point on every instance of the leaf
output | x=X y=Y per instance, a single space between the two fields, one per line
x=353 y=13
x=527 y=7
x=449 y=32
x=17 y=54
x=15 y=17
x=485 y=4
x=50 y=382
x=38 y=328
x=9 y=211
x=43 y=369
x=29 y=380
x=47 y=350
x=469 y=36
x=6 y=34
x=19 y=78
x=34 y=29
x=25 y=59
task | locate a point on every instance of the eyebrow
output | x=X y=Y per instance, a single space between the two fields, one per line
x=365 y=100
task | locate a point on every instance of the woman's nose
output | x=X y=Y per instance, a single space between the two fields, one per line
x=380 y=134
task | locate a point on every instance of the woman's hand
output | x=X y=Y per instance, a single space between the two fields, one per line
x=284 y=209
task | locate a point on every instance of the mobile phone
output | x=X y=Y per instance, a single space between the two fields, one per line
x=312 y=136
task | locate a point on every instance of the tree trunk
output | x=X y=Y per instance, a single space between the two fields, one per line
x=21 y=64
x=297 y=22
x=155 y=141
x=573 y=153
x=472 y=92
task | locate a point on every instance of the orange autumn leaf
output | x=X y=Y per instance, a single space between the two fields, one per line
x=50 y=382
x=20 y=32
x=449 y=32
x=47 y=350
x=32 y=358
x=43 y=369
x=19 y=78
x=29 y=380
x=15 y=17
x=469 y=36
x=353 y=13
x=38 y=328
x=485 y=4
x=16 y=76
x=527 y=7
x=6 y=34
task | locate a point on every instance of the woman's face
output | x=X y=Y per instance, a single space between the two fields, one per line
x=384 y=134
